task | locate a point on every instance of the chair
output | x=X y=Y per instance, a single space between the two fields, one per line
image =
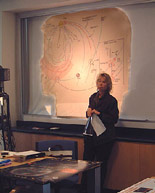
x=65 y=144
x=69 y=183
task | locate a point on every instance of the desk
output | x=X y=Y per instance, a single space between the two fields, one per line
x=51 y=170
x=146 y=185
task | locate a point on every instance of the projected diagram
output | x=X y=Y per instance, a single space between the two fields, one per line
x=76 y=48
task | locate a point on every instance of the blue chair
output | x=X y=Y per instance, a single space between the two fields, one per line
x=70 y=183
x=57 y=145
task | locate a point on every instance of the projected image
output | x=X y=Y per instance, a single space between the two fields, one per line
x=76 y=48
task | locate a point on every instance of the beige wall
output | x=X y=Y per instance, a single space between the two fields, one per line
x=8 y=59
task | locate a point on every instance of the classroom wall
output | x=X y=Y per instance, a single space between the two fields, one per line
x=8 y=59
x=8 y=54
x=9 y=44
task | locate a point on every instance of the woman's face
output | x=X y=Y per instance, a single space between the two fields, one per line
x=101 y=84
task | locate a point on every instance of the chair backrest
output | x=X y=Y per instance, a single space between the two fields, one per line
x=65 y=144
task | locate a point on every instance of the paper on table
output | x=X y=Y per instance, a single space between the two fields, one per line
x=7 y=153
x=25 y=153
x=146 y=185
x=97 y=125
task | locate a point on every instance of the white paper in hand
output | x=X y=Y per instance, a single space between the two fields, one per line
x=97 y=124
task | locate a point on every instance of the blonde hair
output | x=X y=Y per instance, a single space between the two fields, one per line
x=108 y=80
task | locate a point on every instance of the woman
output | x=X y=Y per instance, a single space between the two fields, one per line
x=104 y=105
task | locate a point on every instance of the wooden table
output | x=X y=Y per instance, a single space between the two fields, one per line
x=46 y=171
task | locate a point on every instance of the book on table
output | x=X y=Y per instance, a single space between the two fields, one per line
x=4 y=162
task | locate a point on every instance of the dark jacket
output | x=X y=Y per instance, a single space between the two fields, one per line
x=109 y=113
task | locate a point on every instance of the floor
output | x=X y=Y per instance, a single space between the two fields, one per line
x=110 y=191
x=35 y=189
x=63 y=191
x=78 y=190
x=75 y=191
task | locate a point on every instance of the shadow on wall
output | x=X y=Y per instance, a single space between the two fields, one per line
x=139 y=103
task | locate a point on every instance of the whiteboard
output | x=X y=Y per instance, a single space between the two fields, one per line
x=138 y=105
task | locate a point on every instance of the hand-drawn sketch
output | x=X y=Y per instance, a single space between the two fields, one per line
x=77 y=47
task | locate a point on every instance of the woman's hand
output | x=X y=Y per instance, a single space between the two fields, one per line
x=95 y=112
x=90 y=112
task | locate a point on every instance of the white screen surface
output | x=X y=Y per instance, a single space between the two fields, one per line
x=138 y=102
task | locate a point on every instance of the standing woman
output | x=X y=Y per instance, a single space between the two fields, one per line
x=104 y=105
